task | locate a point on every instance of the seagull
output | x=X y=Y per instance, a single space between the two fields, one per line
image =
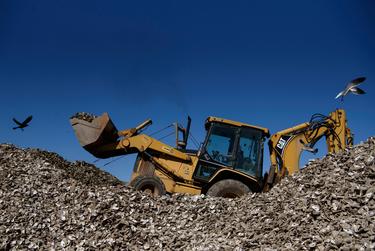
x=23 y=124
x=352 y=87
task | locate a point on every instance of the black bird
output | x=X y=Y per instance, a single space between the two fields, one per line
x=23 y=124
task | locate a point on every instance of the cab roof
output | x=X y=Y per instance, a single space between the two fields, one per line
x=212 y=119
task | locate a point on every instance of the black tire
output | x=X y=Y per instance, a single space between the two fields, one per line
x=150 y=184
x=228 y=188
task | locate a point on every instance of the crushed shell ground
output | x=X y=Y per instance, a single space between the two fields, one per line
x=47 y=203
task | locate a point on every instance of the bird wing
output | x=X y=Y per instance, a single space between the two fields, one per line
x=17 y=122
x=358 y=80
x=355 y=82
x=357 y=91
x=27 y=120
x=340 y=94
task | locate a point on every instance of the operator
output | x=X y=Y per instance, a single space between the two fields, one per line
x=244 y=163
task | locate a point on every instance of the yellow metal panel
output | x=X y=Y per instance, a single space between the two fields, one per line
x=172 y=186
x=184 y=188
x=235 y=123
x=143 y=142
x=186 y=170
x=292 y=154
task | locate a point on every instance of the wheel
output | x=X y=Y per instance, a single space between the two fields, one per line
x=149 y=184
x=228 y=188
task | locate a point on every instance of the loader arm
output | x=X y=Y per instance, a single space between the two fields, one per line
x=286 y=146
x=138 y=144
x=101 y=138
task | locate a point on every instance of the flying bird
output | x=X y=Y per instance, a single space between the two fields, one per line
x=352 y=87
x=24 y=124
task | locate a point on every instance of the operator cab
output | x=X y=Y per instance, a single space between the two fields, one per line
x=233 y=145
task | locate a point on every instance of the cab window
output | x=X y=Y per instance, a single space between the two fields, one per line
x=249 y=152
x=220 y=144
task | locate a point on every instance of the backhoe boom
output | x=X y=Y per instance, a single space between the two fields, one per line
x=286 y=146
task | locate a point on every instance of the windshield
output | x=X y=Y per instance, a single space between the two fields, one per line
x=220 y=143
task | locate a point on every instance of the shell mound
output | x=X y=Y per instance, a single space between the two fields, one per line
x=49 y=203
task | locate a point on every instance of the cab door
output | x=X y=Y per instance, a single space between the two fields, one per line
x=218 y=151
x=249 y=152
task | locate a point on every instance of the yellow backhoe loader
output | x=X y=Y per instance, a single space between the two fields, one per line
x=229 y=163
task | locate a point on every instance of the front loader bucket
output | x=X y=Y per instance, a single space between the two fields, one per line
x=95 y=132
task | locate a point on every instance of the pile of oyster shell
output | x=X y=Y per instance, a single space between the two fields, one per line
x=49 y=203
x=84 y=116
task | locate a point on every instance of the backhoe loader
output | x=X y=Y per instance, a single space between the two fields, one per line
x=229 y=163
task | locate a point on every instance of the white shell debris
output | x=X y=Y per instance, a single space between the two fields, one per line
x=47 y=203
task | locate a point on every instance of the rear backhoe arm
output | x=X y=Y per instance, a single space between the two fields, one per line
x=286 y=146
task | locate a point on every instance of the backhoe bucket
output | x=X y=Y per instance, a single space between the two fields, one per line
x=95 y=132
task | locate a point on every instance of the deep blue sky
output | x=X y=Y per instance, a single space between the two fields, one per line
x=267 y=63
